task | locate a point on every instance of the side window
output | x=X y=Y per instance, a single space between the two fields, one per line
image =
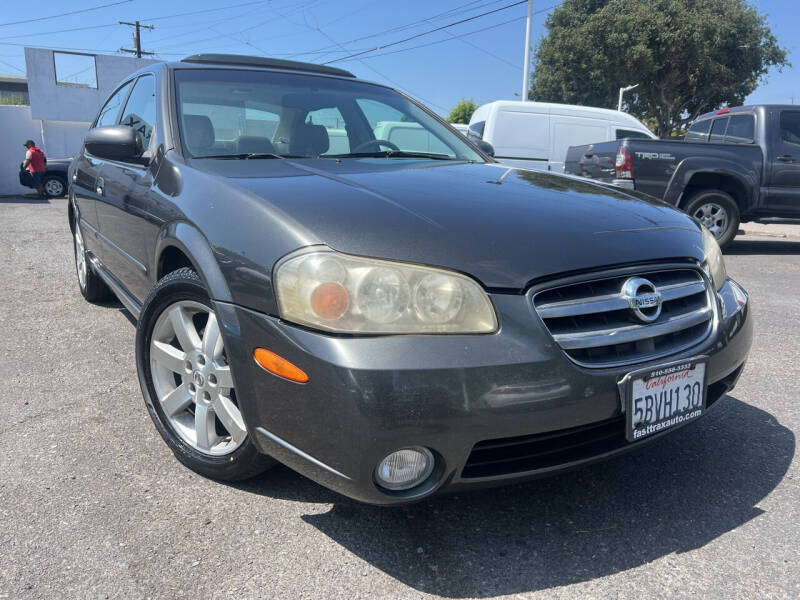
x=790 y=127
x=698 y=132
x=741 y=130
x=110 y=112
x=140 y=111
x=718 y=130
x=631 y=134
x=476 y=129
x=333 y=122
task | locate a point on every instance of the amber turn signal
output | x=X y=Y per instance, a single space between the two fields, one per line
x=279 y=365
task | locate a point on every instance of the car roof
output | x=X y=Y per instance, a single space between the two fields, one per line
x=748 y=109
x=243 y=60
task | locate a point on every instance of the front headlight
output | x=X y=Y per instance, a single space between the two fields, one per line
x=713 y=261
x=348 y=294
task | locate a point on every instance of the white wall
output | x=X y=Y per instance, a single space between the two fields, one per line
x=55 y=102
x=16 y=126
x=57 y=139
x=62 y=139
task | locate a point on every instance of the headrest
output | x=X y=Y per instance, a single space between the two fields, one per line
x=199 y=132
x=246 y=144
x=309 y=140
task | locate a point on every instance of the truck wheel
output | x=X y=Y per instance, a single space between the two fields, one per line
x=717 y=211
x=186 y=381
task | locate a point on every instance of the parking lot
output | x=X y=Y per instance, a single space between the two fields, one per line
x=93 y=504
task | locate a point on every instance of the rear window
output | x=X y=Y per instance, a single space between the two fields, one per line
x=718 y=130
x=741 y=130
x=698 y=132
x=631 y=134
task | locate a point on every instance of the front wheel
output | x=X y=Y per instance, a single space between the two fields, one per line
x=187 y=384
x=717 y=211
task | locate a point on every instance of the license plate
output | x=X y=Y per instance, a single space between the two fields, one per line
x=664 y=397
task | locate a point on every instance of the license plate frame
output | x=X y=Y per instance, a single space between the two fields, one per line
x=669 y=376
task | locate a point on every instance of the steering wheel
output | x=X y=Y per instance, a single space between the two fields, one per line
x=377 y=143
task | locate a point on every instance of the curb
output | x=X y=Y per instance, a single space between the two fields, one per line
x=775 y=234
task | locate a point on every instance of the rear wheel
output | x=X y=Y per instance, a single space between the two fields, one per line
x=54 y=186
x=92 y=288
x=187 y=384
x=717 y=211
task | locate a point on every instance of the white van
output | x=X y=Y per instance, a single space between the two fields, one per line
x=536 y=135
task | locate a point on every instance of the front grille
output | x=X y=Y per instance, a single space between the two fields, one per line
x=593 y=323
x=525 y=453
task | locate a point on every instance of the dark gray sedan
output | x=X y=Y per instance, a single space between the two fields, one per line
x=325 y=274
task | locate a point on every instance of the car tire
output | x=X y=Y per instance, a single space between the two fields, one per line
x=92 y=288
x=187 y=384
x=718 y=211
x=54 y=186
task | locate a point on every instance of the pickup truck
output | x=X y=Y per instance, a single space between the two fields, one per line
x=734 y=165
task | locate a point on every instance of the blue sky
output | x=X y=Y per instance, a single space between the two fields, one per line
x=436 y=68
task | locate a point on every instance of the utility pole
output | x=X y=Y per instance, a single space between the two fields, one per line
x=137 y=39
x=526 y=77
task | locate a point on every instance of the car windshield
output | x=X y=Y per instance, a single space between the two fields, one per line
x=248 y=114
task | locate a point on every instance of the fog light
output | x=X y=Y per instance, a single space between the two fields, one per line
x=404 y=469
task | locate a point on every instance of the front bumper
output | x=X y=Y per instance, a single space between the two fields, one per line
x=369 y=396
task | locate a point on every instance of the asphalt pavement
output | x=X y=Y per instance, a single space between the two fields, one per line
x=94 y=505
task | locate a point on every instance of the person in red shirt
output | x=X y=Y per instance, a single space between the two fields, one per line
x=36 y=163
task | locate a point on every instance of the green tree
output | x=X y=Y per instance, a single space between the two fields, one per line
x=688 y=56
x=462 y=111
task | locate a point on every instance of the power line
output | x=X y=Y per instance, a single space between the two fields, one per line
x=455 y=36
x=484 y=50
x=428 y=32
x=70 y=30
x=73 y=12
x=16 y=68
x=107 y=25
x=455 y=10
x=256 y=26
x=208 y=10
x=375 y=70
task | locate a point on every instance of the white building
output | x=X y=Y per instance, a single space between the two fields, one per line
x=65 y=91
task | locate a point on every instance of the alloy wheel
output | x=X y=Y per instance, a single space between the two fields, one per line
x=192 y=379
x=80 y=258
x=714 y=217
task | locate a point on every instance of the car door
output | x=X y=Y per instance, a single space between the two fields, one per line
x=86 y=172
x=783 y=164
x=127 y=224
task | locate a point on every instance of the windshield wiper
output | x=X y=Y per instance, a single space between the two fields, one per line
x=392 y=154
x=249 y=155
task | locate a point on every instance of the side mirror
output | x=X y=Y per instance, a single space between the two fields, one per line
x=485 y=147
x=115 y=142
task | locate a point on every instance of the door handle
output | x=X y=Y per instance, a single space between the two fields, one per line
x=99 y=186
x=786 y=158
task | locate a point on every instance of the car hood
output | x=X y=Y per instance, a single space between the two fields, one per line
x=506 y=227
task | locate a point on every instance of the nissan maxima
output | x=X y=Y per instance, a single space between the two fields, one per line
x=327 y=275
